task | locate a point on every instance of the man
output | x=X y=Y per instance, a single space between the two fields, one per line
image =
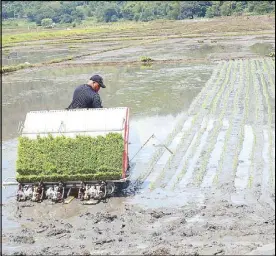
x=86 y=95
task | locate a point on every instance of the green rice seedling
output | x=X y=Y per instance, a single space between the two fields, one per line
x=209 y=87
x=218 y=95
x=228 y=133
x=73 y=47
x=252 y=158
x=6 y=69
x=214 y=87
x=215 y=131
x=252 y=81
x=80 y=158
x=265 y=93
x=247 y=94
x=272 y=63
x=245 y=113
x=238 y=149
x=213 y=136
x=270 y=77
x=192 y=151
x=170 y=137
x=209 y=90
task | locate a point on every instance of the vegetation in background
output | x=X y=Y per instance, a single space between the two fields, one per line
x=62 y=158
x=74 y=12
x=146 y=59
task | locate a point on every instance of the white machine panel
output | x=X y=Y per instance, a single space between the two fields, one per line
x=91 y=122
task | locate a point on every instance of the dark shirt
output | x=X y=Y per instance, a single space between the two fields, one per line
x=85 y=97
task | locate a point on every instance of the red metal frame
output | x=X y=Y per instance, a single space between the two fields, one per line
x=125 y=153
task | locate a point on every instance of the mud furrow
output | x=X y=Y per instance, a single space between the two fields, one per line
x=271 y=167
x=242 y=174
x=171 y=183
x=252 y=160
x=188 y=165
x=201 y=101
x=175 y=160
x=203 y=96
x=214 y=157
x=256 y=100
x=192 y=164
x=258 y=132
x=241 y=161
x=235 y=137
x=212 y=144
x=180 y=173
x=236 y=92
x=270 y=78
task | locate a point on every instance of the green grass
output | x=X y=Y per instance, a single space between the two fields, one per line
x=62 y=158
x=22 y=31
x=7 y=69
x=48 y=34
x=146 y=59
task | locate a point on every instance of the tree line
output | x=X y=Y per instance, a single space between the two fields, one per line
x=112 y=11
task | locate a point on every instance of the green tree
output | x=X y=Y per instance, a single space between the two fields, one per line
x=187 y=9
x=264 y=7
x=213 y=10
x=46 y=22
x=112 y=11
x=226 y=9
x=66 y=18
x=128 y=11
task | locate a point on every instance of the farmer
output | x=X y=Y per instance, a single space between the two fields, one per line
x=86 y=95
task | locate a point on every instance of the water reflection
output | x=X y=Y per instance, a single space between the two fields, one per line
x=16 y=57
x=37 y=53
x=158 y=90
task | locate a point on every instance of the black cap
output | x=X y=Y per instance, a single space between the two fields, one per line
x=98 y=79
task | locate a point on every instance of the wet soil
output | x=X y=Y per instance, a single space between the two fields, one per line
x=215 y=227
x=215 y=209
x=213 y=196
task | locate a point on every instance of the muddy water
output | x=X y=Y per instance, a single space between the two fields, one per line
x=190 y=219
x=37 y=53
x=154 y=91
x=210 y=47
x=156 y=96
x=15 y=57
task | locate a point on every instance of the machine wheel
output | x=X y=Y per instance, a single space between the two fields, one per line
x=122 y=185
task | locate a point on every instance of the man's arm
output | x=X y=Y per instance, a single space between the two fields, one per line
x=97 y=103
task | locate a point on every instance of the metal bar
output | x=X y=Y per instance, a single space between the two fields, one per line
x=143 y=146
x=67 y=183
x=73 y=182
x=9 y=183
x=167 y=148
x=163 y=145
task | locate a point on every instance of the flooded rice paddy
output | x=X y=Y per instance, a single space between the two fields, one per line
x=214 y=195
